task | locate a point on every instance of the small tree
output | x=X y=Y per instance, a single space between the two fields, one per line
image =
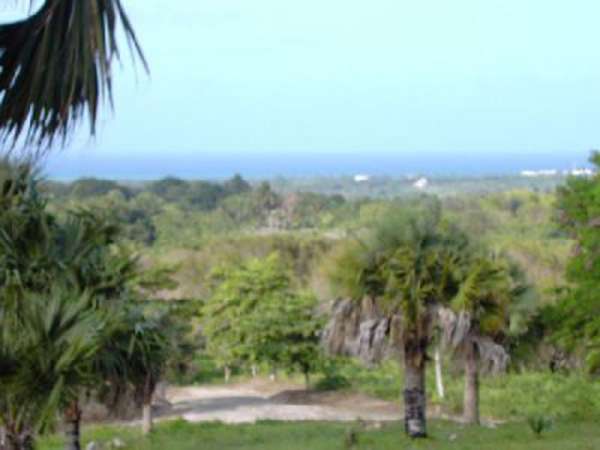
x=482 y=315
x=47 y=353
x=256 y=316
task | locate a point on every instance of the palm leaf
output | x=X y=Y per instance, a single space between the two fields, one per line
x=56 y=68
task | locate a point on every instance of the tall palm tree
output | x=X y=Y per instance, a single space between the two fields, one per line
x=406 y=265
x=56 y=67
x=419 y=277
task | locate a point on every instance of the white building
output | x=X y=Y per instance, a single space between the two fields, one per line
x=421 y=183
x=539 y=173
x=361 y=178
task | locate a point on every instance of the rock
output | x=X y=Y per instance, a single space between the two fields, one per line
x=92 y=446
x=117 y=443
x=453 y=437
x=375 y=426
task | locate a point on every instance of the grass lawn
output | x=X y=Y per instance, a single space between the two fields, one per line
x=179 y=435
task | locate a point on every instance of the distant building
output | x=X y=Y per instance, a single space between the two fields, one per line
x=539 y=173
x=361 y=178
x=421 y=183
x=581 y=172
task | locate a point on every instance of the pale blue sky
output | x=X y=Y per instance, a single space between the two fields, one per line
x=349 y=76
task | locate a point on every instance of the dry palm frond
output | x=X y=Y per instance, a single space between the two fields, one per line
x=56 y=68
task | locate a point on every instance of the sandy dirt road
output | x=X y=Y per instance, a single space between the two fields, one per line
x=263 y=400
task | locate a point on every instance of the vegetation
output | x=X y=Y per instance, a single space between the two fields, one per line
x=241 y=253
x=255 y=317
x=328 y=436
x=69 y=320
x=76 y=320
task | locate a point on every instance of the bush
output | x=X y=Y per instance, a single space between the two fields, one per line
x=332 y=382
x=539 y=423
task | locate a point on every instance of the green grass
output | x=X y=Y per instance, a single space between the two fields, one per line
x=179 y=435
x=507 y=396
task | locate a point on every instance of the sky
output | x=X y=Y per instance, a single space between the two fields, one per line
x=236 y=78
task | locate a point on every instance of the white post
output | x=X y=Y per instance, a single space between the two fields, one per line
x=439 y=382
x=147 y=418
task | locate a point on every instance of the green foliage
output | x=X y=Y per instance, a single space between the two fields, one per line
x=351 y=438
x=269 y=435
x=56 y=67
x=47 y=349
x=256 y=316
x=575 y=322
x=510 y=396
x=60 y=283
x=85 y=188
x=538 y=423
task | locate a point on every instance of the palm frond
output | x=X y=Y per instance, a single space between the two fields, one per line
x=56 y=68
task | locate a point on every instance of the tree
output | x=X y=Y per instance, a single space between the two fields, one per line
x=406 y=265
x=482 y=308
x=141 y=348
x=574 y=319
x=256 y=316
x=85 y=188
x=78 y=257
x=46 y=354
x=56 y=68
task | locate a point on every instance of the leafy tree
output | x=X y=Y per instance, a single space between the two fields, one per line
x=93 y=187
x=575 y=320
x=255 y=316
x=237 y=185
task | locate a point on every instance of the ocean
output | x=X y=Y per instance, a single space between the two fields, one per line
x=262 y=165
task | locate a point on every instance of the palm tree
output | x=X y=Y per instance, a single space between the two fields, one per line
x=418 y=279
x=135 y=355
x=406 y=265
x=38 y=255
x=480 y=314
x=46 y=354
x=56 y=68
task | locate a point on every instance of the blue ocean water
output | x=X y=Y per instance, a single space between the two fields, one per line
x=254 y=165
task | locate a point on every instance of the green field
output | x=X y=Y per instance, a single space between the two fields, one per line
x=179 y=435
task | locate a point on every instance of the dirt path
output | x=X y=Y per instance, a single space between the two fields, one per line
x=264 y=400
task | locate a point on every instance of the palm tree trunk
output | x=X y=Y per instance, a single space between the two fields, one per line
x=227 y=373
x=414 y=393
x=471 y=398
x=72 y=423
x=439 y=381
x=147 y=416
x=17 y=440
